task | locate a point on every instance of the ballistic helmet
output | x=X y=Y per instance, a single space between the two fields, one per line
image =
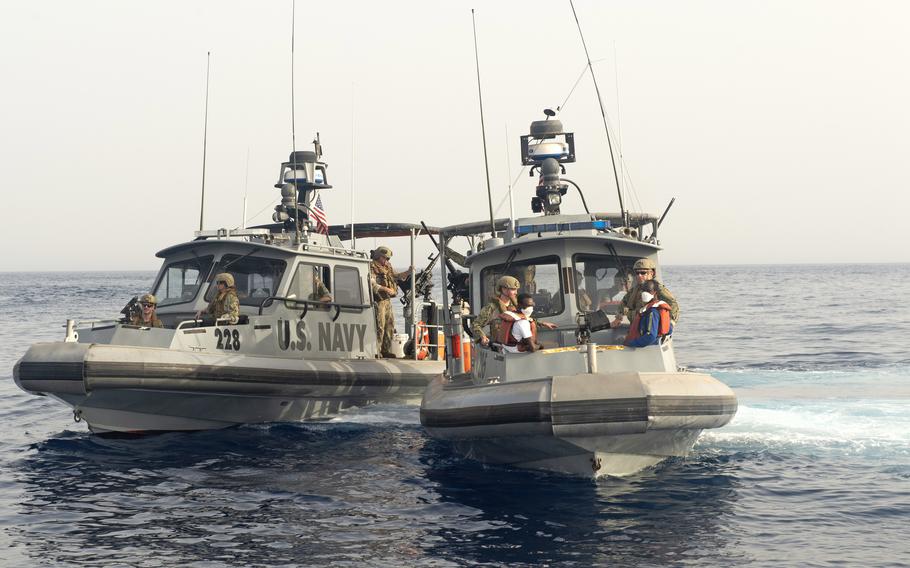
x=225 y=277
x=148 y=299
x=382 y=251
x=644 y=264
x=508 y=282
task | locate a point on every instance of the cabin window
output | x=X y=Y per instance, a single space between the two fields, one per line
x=255 y=278
x=537 y=276
x=348 y=289
x=601 y=281
x=311 y=282
x=181 y=280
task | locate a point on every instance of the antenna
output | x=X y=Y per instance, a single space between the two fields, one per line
x=483 y=131
x=353 y=241
x=293 y=126
x=205 y=134
x=246 y=187
x=509 y=166
x=603 y=113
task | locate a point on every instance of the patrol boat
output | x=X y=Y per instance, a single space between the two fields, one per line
x=585 y=404
x=291 y=356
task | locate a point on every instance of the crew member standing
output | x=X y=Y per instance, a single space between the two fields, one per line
x=384 y=283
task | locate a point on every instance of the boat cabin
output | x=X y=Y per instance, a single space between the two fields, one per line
x=570 y=264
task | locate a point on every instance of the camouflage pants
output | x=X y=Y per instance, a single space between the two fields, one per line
x=385 y=326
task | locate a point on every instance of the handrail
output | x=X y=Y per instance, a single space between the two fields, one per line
x=308 y=303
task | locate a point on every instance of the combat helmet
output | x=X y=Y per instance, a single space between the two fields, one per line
x=508 y=282
x=225 y=277
x=382 y=251
x=644 y=264
x=148 y=299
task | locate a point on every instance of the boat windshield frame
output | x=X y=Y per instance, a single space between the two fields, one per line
x=491 y=273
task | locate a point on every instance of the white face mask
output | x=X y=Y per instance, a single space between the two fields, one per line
x=527 y=311
x=646 y=297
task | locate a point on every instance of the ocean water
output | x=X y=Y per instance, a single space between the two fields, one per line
x=813 y=471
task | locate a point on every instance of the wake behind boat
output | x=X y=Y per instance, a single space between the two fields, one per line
x=303 y=347
x=586 y=404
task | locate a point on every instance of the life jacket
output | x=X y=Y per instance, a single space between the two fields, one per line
x=422 y=336
x=507 y=321
x=663 y=329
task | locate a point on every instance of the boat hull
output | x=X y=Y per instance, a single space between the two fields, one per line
x=584 y=424
x=117 y=388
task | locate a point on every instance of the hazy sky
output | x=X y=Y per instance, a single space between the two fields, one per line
x=781 y=127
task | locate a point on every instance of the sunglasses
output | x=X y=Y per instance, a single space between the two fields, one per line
x=222 y=282
x=642 y=272
x=147 y=305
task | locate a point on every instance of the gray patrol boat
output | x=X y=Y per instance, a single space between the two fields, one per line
x=292 y=355
x=585 y=404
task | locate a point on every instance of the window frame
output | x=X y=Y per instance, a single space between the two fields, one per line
x=201 y=282
x=248 y=299
x=359 y=281
x=549 y=259
x=627 y=263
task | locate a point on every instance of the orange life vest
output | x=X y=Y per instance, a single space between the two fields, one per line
x=422 y=339
x=663 y=328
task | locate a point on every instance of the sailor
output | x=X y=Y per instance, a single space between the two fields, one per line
x=225 y=304
x=519 y=330
x=652 y=322
x=147 y=317
x=320 y=291
x=631 y=303
x=622 y=283
x=504 y=301
x=384 y=284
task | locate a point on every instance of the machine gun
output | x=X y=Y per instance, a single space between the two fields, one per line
x=588 y=323
x=457 y=279
x=423 y=284
x=131 y=310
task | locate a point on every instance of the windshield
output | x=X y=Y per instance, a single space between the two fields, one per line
x=537 y=276
x=601 y=281
x=255 y=278
x=181 y=280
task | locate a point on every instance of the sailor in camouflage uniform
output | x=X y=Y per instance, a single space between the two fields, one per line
x=506 y=300
x=147 y=317
x=632 y=303
x=384 y=284
x=225 y=304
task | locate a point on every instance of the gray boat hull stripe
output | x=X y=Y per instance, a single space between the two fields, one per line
x=298 y=377
x=579 y=412
x=36 y=371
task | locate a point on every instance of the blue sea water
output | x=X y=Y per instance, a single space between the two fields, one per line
x=813 y=471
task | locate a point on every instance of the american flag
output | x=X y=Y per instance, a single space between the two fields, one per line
x=318 y=215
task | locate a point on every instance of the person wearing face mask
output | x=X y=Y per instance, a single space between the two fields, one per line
x=519 y=329
x=631 y=303
x=652 y=322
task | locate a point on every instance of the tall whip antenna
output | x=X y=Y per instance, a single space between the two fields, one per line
x=483 y=131
x=353 y=241
x=205 y=134
x=246 y=187
x=603 y=113
x=293 y=126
